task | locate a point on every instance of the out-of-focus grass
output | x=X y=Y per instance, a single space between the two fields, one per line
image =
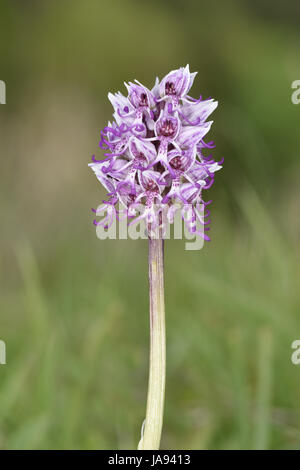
x=76 y=329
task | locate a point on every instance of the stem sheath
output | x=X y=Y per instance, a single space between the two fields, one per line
x=157 y=368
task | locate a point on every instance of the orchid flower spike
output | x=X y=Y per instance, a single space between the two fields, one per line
x=154 y=157
x=155 y=149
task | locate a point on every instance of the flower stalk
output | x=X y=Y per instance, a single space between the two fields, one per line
x=151 y=433
x=156 y=165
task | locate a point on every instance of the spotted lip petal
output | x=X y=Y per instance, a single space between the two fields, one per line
x=149 y=181
x=167 y=127
x=183 y=160
x=140 y=96
x=155 y=153
x=142 y=149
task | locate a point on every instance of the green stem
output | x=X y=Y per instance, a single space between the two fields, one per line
x=157 y=373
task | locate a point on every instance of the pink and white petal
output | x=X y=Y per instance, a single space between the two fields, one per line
x=155 y=89
x=106 y=181
x=198 y=111
x=150 y=180
x=191 y=135
x=144 y=148
x=119 y=102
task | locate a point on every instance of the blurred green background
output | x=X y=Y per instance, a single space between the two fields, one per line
x=74 y=310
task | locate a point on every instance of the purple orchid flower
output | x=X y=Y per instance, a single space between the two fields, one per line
x=154 y=166
x=177 y=84
x=154 y=148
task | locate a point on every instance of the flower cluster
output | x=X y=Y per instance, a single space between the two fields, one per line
x=154 y=154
